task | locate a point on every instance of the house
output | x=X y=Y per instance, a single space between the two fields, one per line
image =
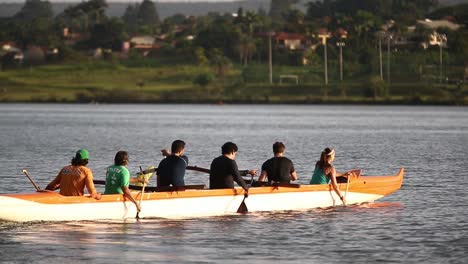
x=292 y=41
x=144 y=44
x=443 y=23
x=71 y=38
x=10 y=54
x=436 y=38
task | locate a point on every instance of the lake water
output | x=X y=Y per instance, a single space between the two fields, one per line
x=424 y=222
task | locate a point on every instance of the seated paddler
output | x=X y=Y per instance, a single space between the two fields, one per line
x=279 y=168
x=325 y=172
x=171 y=170
x=118 y=178
x=224 y=171
x=73 y=178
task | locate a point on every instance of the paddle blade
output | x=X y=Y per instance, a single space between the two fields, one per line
x=242 y=208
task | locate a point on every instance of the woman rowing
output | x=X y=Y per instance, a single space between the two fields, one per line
x=325 y=173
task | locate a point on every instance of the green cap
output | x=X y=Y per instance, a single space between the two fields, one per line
x=82 y=154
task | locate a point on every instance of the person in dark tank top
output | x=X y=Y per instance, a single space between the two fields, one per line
x=278 y=168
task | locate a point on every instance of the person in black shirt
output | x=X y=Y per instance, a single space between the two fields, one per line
x=171 y=170
x=278 y=168
x=224 y=171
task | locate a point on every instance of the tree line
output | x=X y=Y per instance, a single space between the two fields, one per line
x=242 y=38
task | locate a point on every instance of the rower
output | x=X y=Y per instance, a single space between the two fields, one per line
x=171 y=170
x=224 y=170
x=118 y=178
x=278 y=168
x=325 y=173
x=73 y=178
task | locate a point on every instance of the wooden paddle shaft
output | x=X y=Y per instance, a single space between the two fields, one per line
x=31 y=180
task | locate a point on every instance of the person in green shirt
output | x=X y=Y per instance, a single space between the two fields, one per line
x=118 y=178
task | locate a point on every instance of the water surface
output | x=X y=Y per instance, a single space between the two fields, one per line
x=425 y=221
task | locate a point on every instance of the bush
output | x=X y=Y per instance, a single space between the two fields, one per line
x=203 y=79
x=376 y=87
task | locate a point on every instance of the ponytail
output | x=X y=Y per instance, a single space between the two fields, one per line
x=323 y=163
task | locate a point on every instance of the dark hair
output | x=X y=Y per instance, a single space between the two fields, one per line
x=278 y=147
x=323 y=162
x=228 y=148
x=121 y=158
x=177 y=146
x=76 y=161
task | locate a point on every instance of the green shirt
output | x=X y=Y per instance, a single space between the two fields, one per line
x=319 y=177
x=116 y=178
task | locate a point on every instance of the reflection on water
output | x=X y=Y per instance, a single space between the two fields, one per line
x=424 y=222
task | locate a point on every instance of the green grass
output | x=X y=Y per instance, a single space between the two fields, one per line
x=120 y=82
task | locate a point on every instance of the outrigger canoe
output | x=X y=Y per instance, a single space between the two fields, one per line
x=194 y=202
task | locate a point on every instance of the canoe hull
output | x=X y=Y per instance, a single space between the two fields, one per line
x=50 y=206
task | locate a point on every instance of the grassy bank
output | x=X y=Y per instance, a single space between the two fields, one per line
x=115 y=83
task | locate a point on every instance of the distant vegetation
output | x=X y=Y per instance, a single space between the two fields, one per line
x=376 y=52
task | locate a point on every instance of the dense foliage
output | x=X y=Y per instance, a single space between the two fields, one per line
x=370 y=52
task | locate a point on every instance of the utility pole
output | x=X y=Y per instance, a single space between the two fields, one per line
x=270 y=59
x=326 y=63
x=389 y=38
x=324 y=37
x=342 y=34
x=442 y=39
x=380 y=57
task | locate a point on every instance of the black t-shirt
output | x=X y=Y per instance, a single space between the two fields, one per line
x=171 y=171
x=278 y=169
x=223 y=173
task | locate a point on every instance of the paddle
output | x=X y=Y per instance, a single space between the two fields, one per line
x=243 y=207
x=276 y=184
x=31 y=180
x=141 y=196
x=194 y=168
x=356 y=173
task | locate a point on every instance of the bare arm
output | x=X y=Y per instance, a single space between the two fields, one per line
x=332 y=175
x=165 y=152
x=128 y=195
x=55 y=184
x=263 y=176
x=91 y=188
x=293 y=176
x=339 y=174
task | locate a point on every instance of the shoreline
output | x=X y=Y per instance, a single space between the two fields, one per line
x=401 y=102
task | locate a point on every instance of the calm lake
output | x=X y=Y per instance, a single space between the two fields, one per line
x=424 y=222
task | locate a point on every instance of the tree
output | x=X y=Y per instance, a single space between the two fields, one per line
x=34 y=9
x=295 y=21
x=365 y=23
x=220 y=34
x=246 y=47
x=221 y=62
x=109 y=34
x=147 y=13
x=84 y=15
x=279 y=8
x=130 y=16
